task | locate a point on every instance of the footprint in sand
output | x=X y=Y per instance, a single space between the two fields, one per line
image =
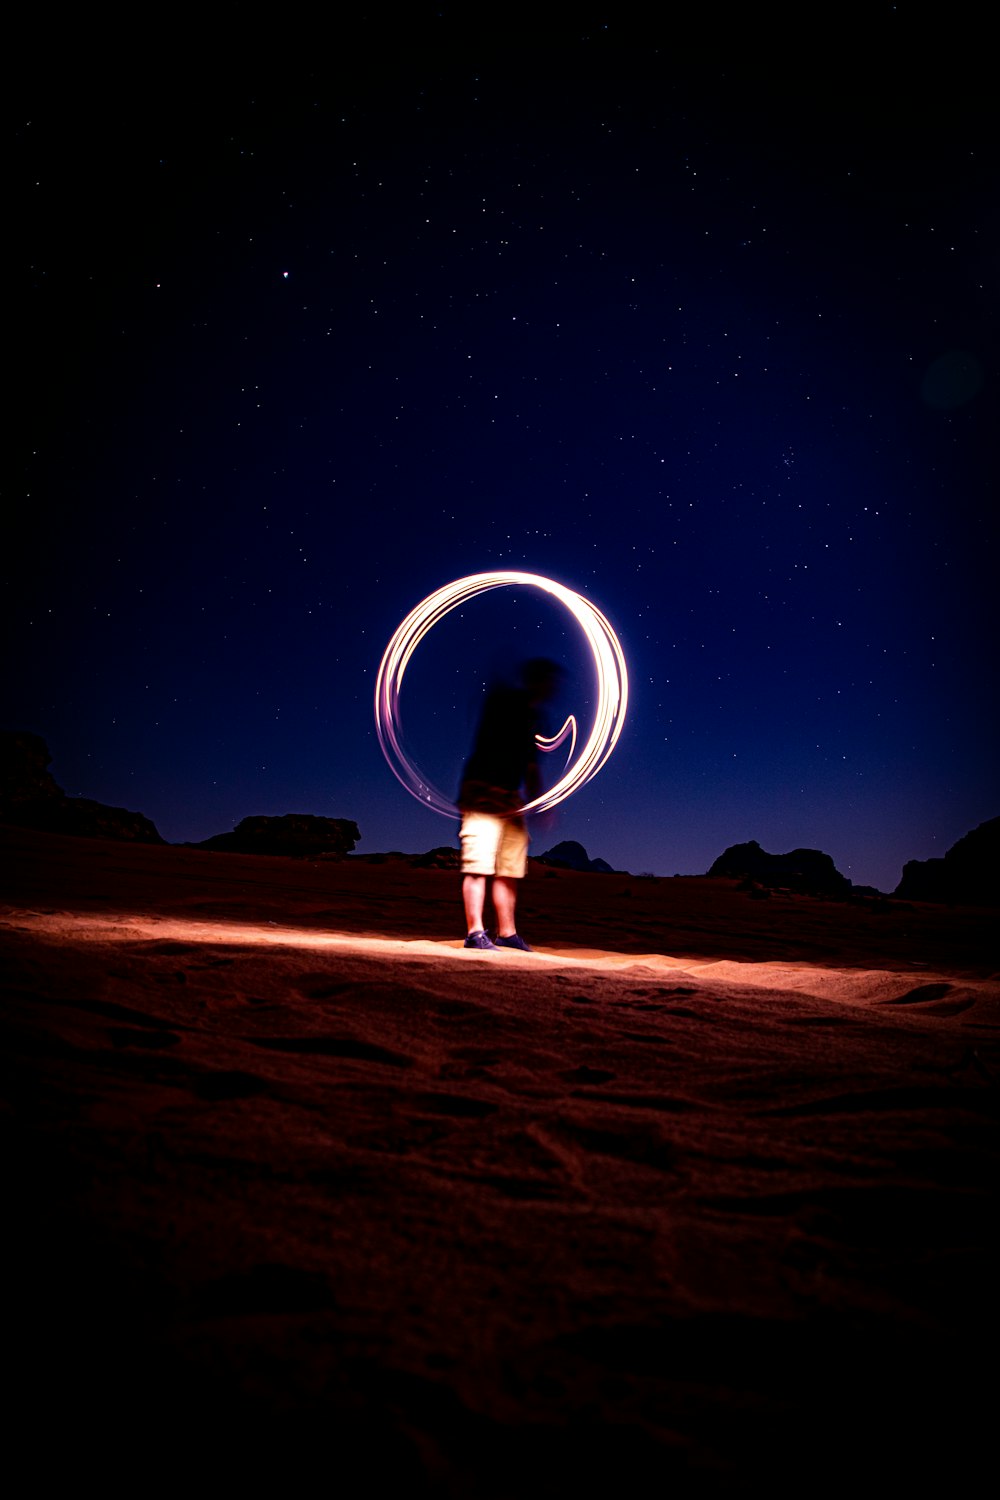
x=585 y=1074
x=935 y=998
x=320 y=987
x=455 y=1106
x=226 y=1084
x=151 y=1041
x=333 y=1046
x=921 y=995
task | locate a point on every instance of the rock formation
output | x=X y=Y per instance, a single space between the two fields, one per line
x=444 y=857
x=569 y=855
x=808 y=871
x=968 y=874
x=297 y=834
x=31 y=798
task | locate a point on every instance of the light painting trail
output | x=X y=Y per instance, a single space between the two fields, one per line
x=609 y=667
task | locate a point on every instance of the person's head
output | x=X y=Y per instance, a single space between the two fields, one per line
x=541 y=678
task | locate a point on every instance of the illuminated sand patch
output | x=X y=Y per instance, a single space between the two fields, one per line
x=850 y=987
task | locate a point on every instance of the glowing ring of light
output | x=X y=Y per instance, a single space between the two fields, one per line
x=609 y=665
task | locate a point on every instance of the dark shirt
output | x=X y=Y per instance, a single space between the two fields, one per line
x=504 y=756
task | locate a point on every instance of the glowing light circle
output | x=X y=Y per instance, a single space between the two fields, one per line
x=609 y=666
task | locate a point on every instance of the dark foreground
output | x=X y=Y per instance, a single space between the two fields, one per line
x=702 y=1195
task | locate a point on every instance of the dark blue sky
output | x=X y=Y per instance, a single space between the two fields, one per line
x=702 y=325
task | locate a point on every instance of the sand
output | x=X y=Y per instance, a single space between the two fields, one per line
x=699 y=1195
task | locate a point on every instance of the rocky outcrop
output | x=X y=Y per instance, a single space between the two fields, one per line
x=441 y=858
x=808 y=871
x=25 y=780
x=297 y=834
x=569 y=855
x=31 y=798
x=969 y=874
x=96 y=820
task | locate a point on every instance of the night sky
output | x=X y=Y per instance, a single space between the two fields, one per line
x=701 y=323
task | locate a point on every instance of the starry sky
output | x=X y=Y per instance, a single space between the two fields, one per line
x=700 y=322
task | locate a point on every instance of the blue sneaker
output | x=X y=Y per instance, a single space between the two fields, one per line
x=512 y=942
x=480 y=940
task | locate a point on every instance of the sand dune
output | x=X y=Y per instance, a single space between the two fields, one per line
x=292 y=1174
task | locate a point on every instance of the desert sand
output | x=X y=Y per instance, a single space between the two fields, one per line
x=700 y=1195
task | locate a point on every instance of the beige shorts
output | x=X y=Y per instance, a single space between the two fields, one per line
x=494 y=846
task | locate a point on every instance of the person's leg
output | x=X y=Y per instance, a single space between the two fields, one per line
x=474 y=898
x=504 y=903
x=480 y=836
x=512 y=866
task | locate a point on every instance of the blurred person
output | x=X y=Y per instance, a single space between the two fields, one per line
x=500 y=776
